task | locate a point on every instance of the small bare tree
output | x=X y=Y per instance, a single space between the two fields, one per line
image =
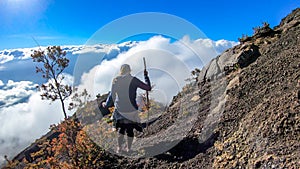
x=54 y=63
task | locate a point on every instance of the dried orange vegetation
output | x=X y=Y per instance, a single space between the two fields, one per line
x=72 y=149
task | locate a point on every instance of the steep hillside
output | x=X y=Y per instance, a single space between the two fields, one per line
x=243 y=112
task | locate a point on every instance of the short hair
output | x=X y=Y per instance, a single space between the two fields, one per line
x=125 y=69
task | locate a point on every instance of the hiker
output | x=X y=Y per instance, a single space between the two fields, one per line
x=123 y=94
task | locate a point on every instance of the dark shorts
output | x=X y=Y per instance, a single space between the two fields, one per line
x=125 y=126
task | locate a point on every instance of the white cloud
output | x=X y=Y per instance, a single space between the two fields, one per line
x=222 y=45
x=2 y=67
x=15 y=92
x=100 y=48
x=1 y=83
x=5 y=58
x=19 y=54
x=23 y=122
x=25 y=53
x=169 y=63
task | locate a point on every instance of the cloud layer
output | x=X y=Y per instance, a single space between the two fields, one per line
x=169 y=64
x=15 y=92
x=24 y=117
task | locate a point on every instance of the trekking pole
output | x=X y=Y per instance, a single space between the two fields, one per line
x=147 y=97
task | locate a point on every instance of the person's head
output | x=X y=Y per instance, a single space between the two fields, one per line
x=125 y=69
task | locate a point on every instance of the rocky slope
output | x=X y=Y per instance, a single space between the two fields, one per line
x=243 y=110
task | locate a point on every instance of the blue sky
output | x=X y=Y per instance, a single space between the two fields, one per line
x=66 y=22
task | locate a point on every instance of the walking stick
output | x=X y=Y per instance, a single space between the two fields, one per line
x=147 y=98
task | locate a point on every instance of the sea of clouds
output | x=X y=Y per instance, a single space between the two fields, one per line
x=24 y=117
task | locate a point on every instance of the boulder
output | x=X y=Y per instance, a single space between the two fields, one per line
x=239 y=56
